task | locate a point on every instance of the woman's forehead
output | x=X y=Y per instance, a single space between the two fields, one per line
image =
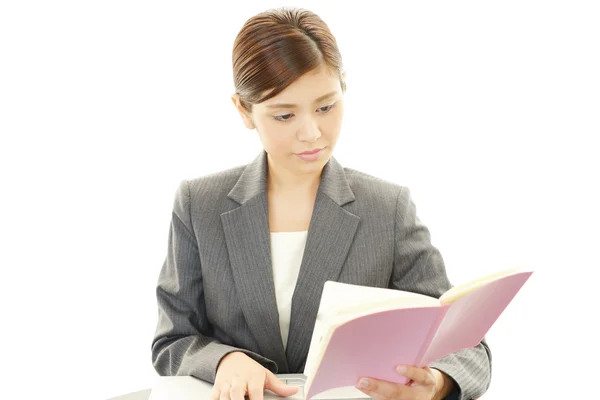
x=310 y=87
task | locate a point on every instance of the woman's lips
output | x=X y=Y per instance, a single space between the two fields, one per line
x=311 y=155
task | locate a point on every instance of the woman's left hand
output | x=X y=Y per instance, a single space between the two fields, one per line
x=425 y=384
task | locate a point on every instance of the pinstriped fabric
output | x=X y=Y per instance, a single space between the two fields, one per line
x=215 y=290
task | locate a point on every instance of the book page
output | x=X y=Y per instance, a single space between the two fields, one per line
x=190 y=388
x=344 y=298
x=371 y=345
x=469 y=318
x=459 y=291
x=342 y=301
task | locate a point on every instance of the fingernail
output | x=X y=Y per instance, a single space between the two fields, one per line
x=363 y=383
x=401 y=369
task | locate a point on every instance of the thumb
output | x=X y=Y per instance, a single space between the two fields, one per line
x=276 y=386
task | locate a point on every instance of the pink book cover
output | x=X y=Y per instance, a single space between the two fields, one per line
x=373 y=345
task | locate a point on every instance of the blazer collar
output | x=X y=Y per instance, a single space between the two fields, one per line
x=253 y=182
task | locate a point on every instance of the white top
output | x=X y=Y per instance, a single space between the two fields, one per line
x=287 y=249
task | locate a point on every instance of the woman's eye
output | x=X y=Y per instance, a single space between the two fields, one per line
x=326 y=108
x=284 y=117
x=287 y=117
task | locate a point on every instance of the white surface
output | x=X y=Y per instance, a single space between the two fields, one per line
x=488 y=111
x=188 y=388
x=287 y=249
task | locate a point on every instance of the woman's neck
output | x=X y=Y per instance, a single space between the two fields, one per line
x=281 y=180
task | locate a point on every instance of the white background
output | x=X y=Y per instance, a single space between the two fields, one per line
x=489 y=112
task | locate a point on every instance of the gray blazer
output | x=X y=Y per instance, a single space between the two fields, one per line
x=216 y=294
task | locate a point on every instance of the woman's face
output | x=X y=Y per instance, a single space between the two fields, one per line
x=300 y=126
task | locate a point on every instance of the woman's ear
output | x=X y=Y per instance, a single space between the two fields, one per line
x=235 y=98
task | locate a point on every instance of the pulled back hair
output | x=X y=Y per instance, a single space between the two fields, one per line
x=276 y=47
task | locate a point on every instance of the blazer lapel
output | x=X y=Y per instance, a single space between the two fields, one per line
x=248 y=244
x=330 y=235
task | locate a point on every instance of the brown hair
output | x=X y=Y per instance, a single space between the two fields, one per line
x=276 y=47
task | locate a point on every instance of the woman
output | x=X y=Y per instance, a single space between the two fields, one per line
x=251 y=247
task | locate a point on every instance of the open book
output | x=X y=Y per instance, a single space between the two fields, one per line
x=365 y=331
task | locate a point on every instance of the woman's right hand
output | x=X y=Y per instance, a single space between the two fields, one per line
x=238 y=375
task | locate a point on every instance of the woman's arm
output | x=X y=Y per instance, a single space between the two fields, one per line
x=419 y=267
x=182 y=344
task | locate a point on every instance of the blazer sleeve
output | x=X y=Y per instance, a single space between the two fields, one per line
x=419 y=267
x=182 y=343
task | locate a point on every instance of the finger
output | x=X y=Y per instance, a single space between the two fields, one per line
x=375 y=396
x=421 y=376
x=273 y=384
x=237 y=390
x=384 y=389
x=215 y=393
x=225 y=388
x=255 y=390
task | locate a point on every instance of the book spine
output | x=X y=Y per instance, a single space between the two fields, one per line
x=429 y=339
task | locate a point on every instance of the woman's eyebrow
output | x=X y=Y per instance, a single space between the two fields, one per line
x=285 y=105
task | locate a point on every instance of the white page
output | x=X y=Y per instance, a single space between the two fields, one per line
x=189 y=388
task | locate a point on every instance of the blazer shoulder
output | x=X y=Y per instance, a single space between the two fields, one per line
x=215 y=186
x=362 y=183
x=378 y=195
